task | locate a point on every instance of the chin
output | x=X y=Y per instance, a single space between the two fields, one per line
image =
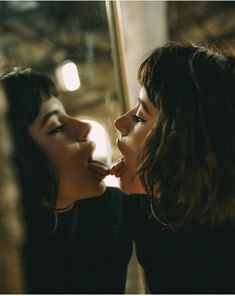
x=101 y=188
x=97 y=188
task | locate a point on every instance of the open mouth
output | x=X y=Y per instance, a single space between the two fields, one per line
x=90 y=159
x=98 y=169
x=118 y=167
x=91 y=148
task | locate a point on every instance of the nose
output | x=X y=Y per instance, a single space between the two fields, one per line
x=123 y=122
x=82 y=129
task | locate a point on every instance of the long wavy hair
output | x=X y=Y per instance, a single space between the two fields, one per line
x=188 y=162
x=25 y=92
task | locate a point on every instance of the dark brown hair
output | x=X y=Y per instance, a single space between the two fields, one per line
x=25 y=92
x=188 y=160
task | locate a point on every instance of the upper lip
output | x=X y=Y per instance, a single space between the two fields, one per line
x=119 y=144
x=90 y=145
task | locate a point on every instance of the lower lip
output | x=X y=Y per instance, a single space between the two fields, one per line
x=91 y=144
x=120 y=171
x=90 y=148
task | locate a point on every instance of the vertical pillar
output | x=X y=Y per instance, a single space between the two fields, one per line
x=145 y=28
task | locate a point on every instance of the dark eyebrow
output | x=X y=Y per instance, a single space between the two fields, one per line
x=144 y=105
x=47 y=116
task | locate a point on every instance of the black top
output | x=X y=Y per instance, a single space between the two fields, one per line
x=87 y=254
x=201 y=260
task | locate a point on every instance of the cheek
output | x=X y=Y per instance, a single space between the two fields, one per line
x=64 y=154
x=135 y=140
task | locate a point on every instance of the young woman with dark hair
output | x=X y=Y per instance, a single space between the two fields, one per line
x=75 y=240
x=178 y=150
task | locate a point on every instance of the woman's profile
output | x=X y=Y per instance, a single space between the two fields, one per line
x=75 y=240
x=178 y=150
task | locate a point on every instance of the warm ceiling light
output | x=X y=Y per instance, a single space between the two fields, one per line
x=68 y=77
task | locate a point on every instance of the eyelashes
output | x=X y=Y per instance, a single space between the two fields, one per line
x=138 y=119
x=60 y=128
x=57 y=130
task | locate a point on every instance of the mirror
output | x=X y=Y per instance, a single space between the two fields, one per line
x=69 y=41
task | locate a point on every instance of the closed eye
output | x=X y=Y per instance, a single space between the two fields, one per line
x=56 y=130
x=137 y=119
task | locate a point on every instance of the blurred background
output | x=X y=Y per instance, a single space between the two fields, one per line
x=92 y=49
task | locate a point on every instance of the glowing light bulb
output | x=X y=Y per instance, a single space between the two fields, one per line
x=68 y=76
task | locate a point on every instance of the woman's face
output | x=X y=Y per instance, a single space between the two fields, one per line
x=134 y=127
x=66 y=141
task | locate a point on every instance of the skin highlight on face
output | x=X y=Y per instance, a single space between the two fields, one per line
x=134 y=126
x=66 y=141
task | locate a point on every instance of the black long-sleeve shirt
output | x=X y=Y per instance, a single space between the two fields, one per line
x=87 y=254
x=200 y=260
x=91 y=248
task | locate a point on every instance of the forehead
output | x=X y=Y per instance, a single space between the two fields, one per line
x=147 y=104
x=46 y=107
x=49 y=105
x=142 y=93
